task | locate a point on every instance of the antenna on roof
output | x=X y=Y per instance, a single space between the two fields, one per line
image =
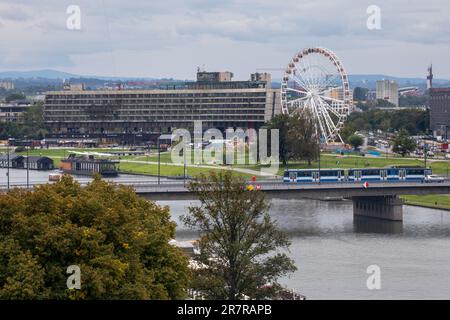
x=430 y=77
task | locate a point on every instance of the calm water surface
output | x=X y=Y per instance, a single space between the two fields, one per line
x=332 y=251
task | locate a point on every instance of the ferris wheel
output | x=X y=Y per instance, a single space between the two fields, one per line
x=315 y=80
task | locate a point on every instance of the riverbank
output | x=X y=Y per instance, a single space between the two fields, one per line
x=441 y=202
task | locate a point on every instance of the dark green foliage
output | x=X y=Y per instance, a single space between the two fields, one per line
x=298 y=138
x=356 y=141
x=15 y=96
x=403 y=144
x=414 y=121
x=240 y=244
x=119 y=240
x=360 y=94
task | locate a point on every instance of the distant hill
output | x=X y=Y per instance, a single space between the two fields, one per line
x=45 y=74
x=356 y=80
x=54 y=74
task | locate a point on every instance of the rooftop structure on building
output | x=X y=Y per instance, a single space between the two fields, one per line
x=73 y=87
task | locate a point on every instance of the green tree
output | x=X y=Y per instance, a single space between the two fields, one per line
x=360 y=94
x=303 y=143
x=119 y=240
x=30 y=124
x=414 y=121
x=403 y=144
x=15 y=96
x=355 y=140
x=239 y=243
x=281 y=122
x=298 y=139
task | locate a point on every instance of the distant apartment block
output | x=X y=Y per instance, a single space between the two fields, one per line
x=11 y=112
x=338 y=94
x=388 y=90
x=215 y=99
x=7 y=85
x=439 y=104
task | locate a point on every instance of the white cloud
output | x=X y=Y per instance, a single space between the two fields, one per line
x=171 y=37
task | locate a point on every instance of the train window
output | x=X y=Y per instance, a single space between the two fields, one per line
x=415 y=171
x=304 y=173
x=328 y=173
x=392 y=172
x=371 y=172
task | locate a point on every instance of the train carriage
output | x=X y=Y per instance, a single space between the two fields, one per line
x=313 y=175
x=394 y=174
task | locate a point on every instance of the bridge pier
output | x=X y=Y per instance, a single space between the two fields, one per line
x=379 y=207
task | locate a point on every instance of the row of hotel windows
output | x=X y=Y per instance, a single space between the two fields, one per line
x=160 y=112
x=154 y=95
x=173 y=101
x=157 y=109
x=156 y=118
x=133 y=105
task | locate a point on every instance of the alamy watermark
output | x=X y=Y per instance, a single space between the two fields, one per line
x=74 y=280
x=374 y=19
x=73 y=22
x=373 y=282
x=249 y=147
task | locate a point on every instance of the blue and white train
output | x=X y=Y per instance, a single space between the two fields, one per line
x=394 y=174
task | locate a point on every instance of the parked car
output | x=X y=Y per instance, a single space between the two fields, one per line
x=434 y=178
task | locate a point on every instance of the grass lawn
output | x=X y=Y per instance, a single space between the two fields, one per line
x=432 y=201
x=327 y=160
x=169 y=170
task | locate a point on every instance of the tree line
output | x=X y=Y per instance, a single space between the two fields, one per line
x=31 y=125
x=414 y=121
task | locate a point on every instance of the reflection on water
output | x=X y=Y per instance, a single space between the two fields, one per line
x=332 y=250
x=370 y=225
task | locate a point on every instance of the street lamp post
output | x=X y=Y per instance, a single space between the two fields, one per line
x=319 y=161
x=159 y=161
x=184 y=166
x=28 y=166
x=7 y=164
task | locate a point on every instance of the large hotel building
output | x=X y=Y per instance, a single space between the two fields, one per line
x=214 y=99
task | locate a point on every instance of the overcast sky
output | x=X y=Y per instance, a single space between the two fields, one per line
x=171 y=38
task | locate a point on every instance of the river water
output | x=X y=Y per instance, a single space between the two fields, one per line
x=332 y=250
